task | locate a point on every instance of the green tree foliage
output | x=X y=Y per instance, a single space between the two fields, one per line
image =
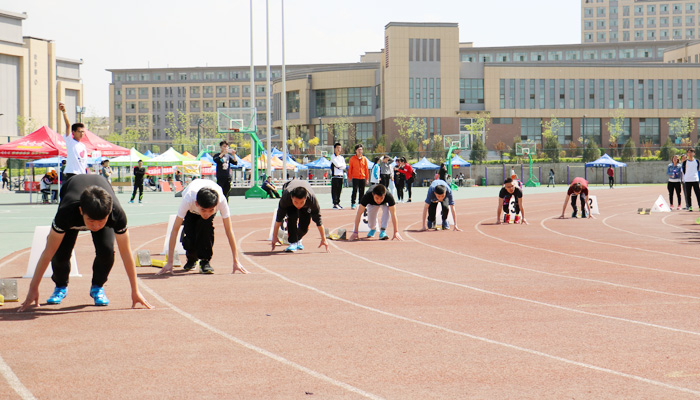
x=398 y=148
x=667 y=150
x=629 y=151
x=682 y=127
x=478 y=153
x=550 y=132
x=591 y=152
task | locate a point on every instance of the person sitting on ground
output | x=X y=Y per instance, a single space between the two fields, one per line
x=510 y=191
x=578 y=187
x=87 y=203
x=270 y=188
x=201 y=200
x=300 y=206
x=374 y=199
x=439 y=192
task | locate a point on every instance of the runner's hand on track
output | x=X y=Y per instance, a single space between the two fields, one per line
x=31 y=300
x=238 y=267
x=136 y=298
x=167 y=269
x=324 y=242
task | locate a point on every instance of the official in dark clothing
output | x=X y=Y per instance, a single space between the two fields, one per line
x=225 y=161
x=139 y=173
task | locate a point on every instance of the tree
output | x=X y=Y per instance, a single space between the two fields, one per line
x=616 y=128
x=341 y=130
x=26 y=125
x=667 y=150
x=500 y=147
x=479 y=127
x=629 y=150
x=551 y=139
x=398 y=148
x=591 y=152
x=410 y=128
x=682 y=127
x=478 y=153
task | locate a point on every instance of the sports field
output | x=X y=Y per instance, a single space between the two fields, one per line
x=603 y=308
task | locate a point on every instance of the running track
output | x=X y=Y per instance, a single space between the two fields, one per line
x=584 y=309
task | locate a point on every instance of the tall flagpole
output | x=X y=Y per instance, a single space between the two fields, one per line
x=284 y=105
x=254 y=163
x=267 y=90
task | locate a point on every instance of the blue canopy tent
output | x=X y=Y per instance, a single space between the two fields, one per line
x=149 y=154
x=458 y=161
x=320 y=163
x=292 y=161
x=424 y=164
x=604 y=161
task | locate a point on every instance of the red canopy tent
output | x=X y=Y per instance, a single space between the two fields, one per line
x=42 y=143
x=106 y=149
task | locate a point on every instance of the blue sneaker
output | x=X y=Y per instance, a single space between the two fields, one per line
x=300 y=246
x=292 y=248
x=383 y=235
x=445 y=225
x=58 y=294
x=98 y=293
x=431 y=224
x=371 y=233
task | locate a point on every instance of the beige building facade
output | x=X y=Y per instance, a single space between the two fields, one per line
x=33 y=79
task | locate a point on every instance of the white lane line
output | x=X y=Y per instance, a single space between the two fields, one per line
x=249 y=346
x=14 y=381
x=542 y=223
x=464 y=334
x=605 y=222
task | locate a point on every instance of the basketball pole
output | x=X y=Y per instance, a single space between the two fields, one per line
x=284 y=106
x=267 y=89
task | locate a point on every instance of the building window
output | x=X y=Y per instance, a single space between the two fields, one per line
x=590 y=130
x=649 y=130
x=501 y=93
x=471 y=91
x=364 y=132
x=293 y=102
x=531 y=129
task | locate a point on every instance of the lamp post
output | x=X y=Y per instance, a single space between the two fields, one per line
x=199 y=128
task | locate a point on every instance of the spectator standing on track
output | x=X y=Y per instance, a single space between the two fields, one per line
x=611 y=176
x=338 y=167
x=87 y=203
x=439 y=193
x=225 y=161
x=690 y=168
x=106 y=170
x=674 y=173
x=578 y=188
x=442 y=173
x=385 y=173
x=551 y=178
x=201 y=200
x=76 y=160
x=358 y=173
x=510 y=191
x=139 y=173
x=399 y=181
x=407 y=170
x=300 y=206
x=374 y=175
x=376 y=198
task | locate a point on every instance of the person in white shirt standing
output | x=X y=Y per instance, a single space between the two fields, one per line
x=338 y=167
x=690 y=168
x=77 y=152
x=201 y=200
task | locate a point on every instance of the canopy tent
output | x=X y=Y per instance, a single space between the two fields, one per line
x=149 y=154
x=42 y=143
x=424 y=164
x=188 y=155
x=95 y=143
x=458 y=161
x=606 y=161
x=293 y=162
x=262 y=162
x=125 y=161
x=320 y=163
x=167 y=159
x=56 y=161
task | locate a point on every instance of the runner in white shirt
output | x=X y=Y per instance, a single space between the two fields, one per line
x=201 y=200
x=691 y=168
x=338 y=168
x=76 y=163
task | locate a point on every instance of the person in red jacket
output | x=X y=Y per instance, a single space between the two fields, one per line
x=358 y=174
x=407 y=170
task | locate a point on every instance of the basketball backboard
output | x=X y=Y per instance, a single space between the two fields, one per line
x=232 y=120
x=523 y=149
x=459 y=141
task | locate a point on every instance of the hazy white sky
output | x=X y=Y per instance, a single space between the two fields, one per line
x=179 y=33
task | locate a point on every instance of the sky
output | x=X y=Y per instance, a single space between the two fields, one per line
x=180 y=33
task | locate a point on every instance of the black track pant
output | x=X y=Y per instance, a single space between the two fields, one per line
x=101 y=266
x=688 y=196
x=583 y=202
x=358 y=187
x=198 y=236
x=432 y=209
x=297 y=224
x=674 y=186
x=225 y=186
x=336 y=189
x=137 y=186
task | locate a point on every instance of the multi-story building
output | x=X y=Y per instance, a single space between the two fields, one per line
x=424 y=71
x=625 y=21
x=33 y=80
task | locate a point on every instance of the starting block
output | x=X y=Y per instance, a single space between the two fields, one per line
x=642 y=211
x=143 y=259
x=38 y=244
x=8 y=290
x=340 y=234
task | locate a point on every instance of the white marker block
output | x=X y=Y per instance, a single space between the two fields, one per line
x=178 y=246
x=38 y=245
x=660 y=205
x=272 y=224
x=438 y=216
x=593 y=202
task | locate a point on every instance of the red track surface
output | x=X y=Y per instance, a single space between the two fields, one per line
x=585 y=309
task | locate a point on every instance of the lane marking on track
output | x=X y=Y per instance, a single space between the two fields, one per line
x=464 y=334
x=14 y=381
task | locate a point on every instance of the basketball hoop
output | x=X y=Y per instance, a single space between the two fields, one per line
x=235 y=130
